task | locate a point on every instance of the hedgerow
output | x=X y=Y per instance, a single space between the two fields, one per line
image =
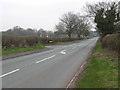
x=111 y=42
x=28 y=41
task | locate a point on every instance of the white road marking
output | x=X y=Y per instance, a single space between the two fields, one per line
x=46 y=59
x=83 y=64
x=71 y=81
x=9 y=73
x=74 y=76
x=63 y=52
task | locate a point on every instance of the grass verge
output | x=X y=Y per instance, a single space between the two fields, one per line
x=102 y=71
x=19 y=50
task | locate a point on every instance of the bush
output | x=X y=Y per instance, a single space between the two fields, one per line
x=111 y=42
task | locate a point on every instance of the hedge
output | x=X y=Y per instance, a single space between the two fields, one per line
x=111 y=42
x=27 y=41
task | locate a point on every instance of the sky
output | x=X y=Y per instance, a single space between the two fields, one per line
x=37 y=14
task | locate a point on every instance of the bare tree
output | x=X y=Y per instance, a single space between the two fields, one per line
x=60 y=27
x=82 y=25
x=42 y=33
x=67 y=23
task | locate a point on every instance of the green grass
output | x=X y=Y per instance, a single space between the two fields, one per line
x=102 y=71
x=0 y=52
x=19 y=50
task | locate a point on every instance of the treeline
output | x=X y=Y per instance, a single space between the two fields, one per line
x=18 y=31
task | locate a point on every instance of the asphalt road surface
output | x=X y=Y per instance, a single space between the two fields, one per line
x=50 y=69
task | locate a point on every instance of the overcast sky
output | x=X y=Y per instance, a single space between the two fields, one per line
x=37 y=13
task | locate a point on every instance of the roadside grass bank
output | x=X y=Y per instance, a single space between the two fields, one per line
x=35 y=47
x=19 y=50
x=102 y=70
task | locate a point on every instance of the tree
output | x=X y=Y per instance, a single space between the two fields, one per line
x=105 y=15
x=60 y=27
x=86 y=33
x=42 y=33
x=82 y=25
x=73 y=24
x=31 y=32
x=39 y=33
x=18 y=31
x=67 y=23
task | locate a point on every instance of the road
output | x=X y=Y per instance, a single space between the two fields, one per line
x=50 y=69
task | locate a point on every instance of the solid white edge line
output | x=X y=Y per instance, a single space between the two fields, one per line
x=74 y=76
x=9 y=73
x=46 y=59
x=71 y=80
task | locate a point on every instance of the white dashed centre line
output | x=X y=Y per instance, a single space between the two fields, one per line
x=46 y=59
x=9 y=73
